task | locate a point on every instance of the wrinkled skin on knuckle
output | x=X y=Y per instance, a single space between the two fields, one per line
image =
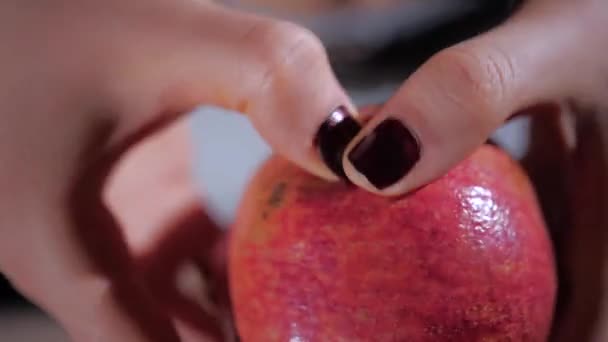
x=288 y=59
x=284 y=50
x=477 y=81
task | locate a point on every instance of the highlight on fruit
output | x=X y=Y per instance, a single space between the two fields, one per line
x=465 y=258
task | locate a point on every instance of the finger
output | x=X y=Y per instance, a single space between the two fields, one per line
x=153 y=194
x=153 y=185
x=459 y=97
x=78 y=269
x=275 y=72
x=367 y=112
x=166 y=58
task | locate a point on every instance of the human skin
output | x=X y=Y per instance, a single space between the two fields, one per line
x=85 y=81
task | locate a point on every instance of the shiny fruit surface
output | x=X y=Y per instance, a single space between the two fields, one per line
x=466 y=258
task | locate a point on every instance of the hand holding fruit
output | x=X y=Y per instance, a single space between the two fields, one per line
x=83 y=82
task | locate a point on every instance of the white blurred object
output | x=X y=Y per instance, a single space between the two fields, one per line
x=228 y=150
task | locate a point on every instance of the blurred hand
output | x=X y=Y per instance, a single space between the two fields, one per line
x=177 y=250
x=568 y=163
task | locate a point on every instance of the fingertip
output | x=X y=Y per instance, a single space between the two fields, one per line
x=382 y=156
x=332 y=138
x=316 y=166
x=367 y=112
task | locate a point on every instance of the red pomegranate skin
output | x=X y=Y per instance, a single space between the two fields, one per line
x=466 y=258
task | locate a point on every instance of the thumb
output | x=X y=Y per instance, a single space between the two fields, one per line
x=454 y=102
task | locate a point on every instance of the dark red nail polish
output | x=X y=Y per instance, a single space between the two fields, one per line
x=334 y=135
x=387 y=154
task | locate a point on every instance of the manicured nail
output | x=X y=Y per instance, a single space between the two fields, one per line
x=334 y=135
x=387 y=154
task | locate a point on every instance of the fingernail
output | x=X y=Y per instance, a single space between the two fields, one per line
x=387 y=154
x=334 y=135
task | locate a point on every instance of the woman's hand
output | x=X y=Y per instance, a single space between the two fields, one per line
x=548 y=56
x=84 y=81
x=548 y=61
x=177 y=251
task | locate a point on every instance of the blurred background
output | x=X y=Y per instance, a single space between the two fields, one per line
x=373 y=45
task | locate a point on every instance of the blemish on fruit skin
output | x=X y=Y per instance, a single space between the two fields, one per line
x=263 y=227
x=277 y=195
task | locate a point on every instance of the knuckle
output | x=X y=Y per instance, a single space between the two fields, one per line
x=477 y=79
x=284 y=48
